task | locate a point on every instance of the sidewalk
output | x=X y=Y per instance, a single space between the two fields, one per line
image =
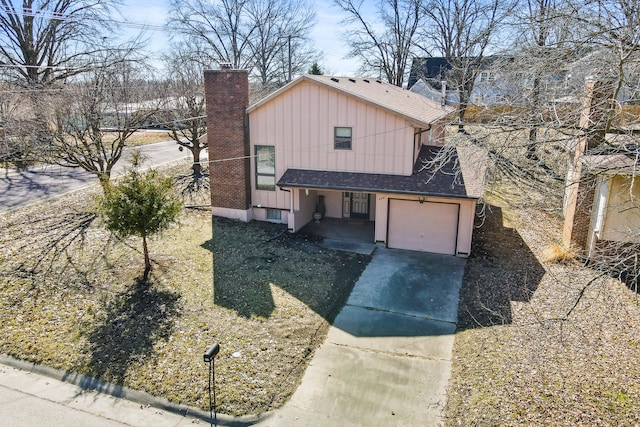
x=34 y=395
x=30 y=399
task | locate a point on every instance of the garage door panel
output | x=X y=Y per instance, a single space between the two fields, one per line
x=427 y=226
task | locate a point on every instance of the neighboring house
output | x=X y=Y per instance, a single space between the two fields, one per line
x=602 y=197
x=507 y=80
x=501 y=80
x=498 y=82
x=359 y=146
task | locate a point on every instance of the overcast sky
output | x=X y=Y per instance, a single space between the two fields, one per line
x=326 y=34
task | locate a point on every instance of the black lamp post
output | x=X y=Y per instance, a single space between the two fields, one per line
x=209 y=357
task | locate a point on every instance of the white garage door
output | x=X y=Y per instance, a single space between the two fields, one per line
x=427 y=226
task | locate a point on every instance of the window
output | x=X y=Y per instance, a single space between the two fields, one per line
x=265 y=167
x=274 y=214
x=342 y=138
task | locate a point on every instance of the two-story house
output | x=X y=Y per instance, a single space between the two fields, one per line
x=364 y=148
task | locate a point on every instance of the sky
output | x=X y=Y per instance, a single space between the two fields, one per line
x=326 y=34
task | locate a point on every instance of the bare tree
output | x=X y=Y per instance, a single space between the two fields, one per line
x=217 y=29
x=280 y=44
x=461 y=31
x=545 y=37
x=94 y=117
x=267 y=37
x=14 y=150
x=47 y=41
x=187 y=103
x=385 y=45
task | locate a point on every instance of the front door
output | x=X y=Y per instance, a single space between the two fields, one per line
x=359 y=203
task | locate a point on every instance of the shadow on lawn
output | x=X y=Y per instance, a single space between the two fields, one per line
x=134 y=320
x=251 y=257
x=194 y=187
x=501 y=269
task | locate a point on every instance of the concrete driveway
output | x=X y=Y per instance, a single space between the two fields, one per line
x=387 y=358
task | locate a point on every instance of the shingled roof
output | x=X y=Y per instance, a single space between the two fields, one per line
x=455 y=177
x=414 y=107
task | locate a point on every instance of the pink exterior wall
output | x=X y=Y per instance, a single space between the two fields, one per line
x=332 y=203
x=436 y=135
x=300 y=123
x=304 y=207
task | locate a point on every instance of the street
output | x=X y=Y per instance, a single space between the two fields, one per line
x=20 y=188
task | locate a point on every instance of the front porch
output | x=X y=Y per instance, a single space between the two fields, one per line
x=344 y=234
x=342 y=229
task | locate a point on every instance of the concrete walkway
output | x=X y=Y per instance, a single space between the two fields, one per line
x=387 y=358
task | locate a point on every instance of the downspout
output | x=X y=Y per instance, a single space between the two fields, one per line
x=416 y=141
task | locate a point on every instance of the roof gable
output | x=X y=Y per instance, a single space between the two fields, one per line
x=412 y=106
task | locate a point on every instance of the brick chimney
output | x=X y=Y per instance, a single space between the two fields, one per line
x=595 y=120
x=227 y=96
x=596 y=115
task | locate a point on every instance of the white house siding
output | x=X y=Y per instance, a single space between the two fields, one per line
x=300 y=122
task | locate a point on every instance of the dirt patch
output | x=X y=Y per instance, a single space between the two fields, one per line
x=73 y=300
x=540 y=343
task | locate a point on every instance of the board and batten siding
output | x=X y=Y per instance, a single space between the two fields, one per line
x=300 y=123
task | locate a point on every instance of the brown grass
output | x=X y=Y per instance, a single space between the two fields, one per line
x=143 y=137
x=555 y=253
x=73 y=300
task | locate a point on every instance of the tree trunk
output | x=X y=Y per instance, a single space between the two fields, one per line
x=197 y=167
x=533 y=131
x=531 y=146
x=462 y=109
x=147 y=261
x=104 y=178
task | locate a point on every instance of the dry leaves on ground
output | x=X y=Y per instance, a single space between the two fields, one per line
x=523 y=355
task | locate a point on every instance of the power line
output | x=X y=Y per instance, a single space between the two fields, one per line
x=309 y=149
x=57 y=16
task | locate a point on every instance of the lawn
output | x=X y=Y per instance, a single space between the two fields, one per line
x=142 y=137
x=72 y=299
x=540 y=342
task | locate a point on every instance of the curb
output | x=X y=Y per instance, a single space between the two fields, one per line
x=92 y=384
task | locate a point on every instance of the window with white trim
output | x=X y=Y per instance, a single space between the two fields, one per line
x=342 y=138
x=265 y=167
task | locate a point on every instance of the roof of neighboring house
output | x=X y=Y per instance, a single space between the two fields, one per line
x=611 y=163
x=425 y=89
x=412 y=106
x=428 y=68
x=460 y=175
x=434 y=69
